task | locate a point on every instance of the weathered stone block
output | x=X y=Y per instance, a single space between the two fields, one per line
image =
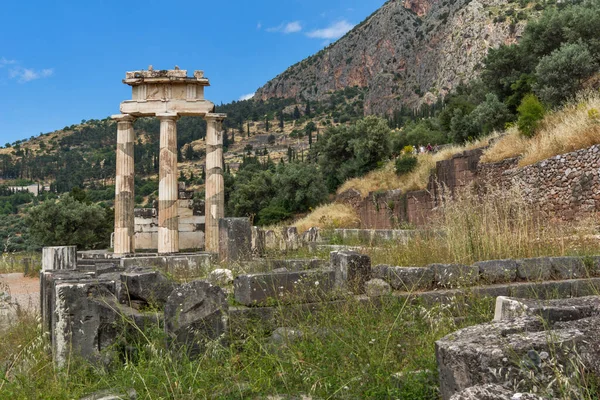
x=542 y=290
x=377 y=288
x=454 y=275
x=405 y=278
x=258 y=241
x=59 y=258
x=568 y=268
x=497 y=271
x=235 y=239
x=352 y=270
x=290 y=240
x=150 y=287
x=311 y=235
x=534 y=269
x=298 y=286
x=585 y=287
x=220 y=277
x=196 y=313
x=76 y=319
x=552 y=311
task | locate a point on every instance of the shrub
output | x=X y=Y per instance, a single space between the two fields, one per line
x=406 y=164
x=531 y=112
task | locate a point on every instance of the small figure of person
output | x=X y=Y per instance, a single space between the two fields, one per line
x=429 y=148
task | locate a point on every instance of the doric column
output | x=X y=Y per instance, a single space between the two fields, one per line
x=168 y=220
x=215 y=187
x=124 y=241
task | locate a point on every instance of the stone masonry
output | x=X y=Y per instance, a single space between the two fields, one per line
x=566 y=186
x=167 y=95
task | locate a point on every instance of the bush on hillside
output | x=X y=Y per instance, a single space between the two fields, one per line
x=405 y=164
x=531 y=112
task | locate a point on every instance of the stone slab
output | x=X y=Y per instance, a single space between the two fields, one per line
x=352 y=270
x=497 y=271
x=270 y=288
x=534 y=269
x=454 y=275
x=405 y=278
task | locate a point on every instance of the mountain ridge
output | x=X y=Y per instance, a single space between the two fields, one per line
x=408 y=52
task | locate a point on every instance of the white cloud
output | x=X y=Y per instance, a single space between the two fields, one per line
x=4 y=62
x=334 y=31
x=258 y=26
x=246 y=97
x=29 y=74
x=290 y=27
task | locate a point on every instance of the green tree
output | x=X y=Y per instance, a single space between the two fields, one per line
x=560 y=74
x=531 y=112
x=296 y=113
x=70 y=222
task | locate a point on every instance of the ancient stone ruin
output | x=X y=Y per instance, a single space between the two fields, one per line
x=167 y=95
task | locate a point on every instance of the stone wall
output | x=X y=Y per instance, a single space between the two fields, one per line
x=191 y=224
x=566 y=186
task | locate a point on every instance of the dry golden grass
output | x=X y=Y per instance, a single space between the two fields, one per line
x=386 y=178
x=329 y=216
x=574 y=127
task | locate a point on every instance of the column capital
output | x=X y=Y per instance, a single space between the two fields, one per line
x=123 y=117
x=167 y=116
x=215 y=117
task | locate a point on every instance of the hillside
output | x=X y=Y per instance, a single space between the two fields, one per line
x=406 y=53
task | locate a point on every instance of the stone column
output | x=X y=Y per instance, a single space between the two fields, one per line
x=168 y=190
x=215 y=187
x=124 y=238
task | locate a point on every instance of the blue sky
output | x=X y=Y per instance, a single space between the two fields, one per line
x=63 y=61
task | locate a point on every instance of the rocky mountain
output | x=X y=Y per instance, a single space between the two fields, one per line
x=406 y=53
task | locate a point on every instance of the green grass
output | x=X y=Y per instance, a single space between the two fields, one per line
x=347 y=351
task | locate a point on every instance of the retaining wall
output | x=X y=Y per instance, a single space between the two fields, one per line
x=566 y=186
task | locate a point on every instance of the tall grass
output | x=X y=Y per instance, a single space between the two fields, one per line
x=386 y=178
x=345 y=351
x=575 y=126
x=329 y=216
x=502 y=224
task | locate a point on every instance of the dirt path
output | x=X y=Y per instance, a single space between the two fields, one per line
x=24 y=291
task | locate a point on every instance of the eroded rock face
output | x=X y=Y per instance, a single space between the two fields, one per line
x=524 y=352
x=409 y=52
x=195 y=314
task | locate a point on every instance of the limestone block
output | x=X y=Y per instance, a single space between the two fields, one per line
x=258 y=241
x=76 y=319
x=454 y=275
x=534 y=269
x=191 y=240
x=151 y=287
x=516 y=349
x=542 y=290
x=146 y=240
x=47 y=282
x=405 y=278
x=568 y=268
x=220 y=277
x=195 y=314
x=352 y=270
x=311 y=235
x=110 y=394
x=585 y=287
x=290 y=239
x=551 y=311
x=59 y=258
x=377 y=287
x=235 y=239
x=497 y=271
x=298 y=286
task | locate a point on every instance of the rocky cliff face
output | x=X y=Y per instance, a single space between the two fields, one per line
x=408 y=52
